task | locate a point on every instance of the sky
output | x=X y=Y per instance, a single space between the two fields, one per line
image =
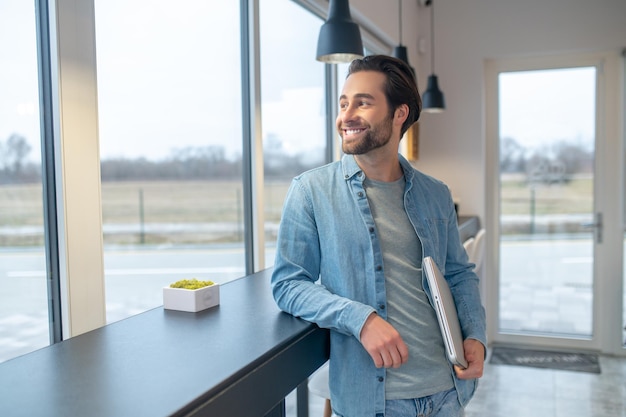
x=19 y=107
x=163 y=86
x=541 y=106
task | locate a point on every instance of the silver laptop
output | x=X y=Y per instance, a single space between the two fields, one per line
x=446 y=313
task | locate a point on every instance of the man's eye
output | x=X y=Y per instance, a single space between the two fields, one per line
x=364 y=103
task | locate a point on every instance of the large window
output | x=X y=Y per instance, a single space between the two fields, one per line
x=169 y=87
x=293 y=104
x=23 y=289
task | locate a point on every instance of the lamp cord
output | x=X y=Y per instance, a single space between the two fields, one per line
x=400 y=19
x=432 y=37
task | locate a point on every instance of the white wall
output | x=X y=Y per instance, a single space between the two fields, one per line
x=467 y=33
x=382 y=17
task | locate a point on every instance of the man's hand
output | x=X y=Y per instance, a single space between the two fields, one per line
x=475 y=357
x=383 y=343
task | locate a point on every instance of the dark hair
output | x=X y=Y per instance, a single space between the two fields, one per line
x=401 y=86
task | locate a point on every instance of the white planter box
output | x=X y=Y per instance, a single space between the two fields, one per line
x=191 y=300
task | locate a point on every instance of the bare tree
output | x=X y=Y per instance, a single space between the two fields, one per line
x=14 y=153
x=512 y=155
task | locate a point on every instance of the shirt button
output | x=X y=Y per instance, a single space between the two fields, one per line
x=360 y=194
x=381 y=379
x=381 y=306
x=379 y=268
x=371 y=230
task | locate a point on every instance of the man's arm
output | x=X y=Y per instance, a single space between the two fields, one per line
x=297 y=268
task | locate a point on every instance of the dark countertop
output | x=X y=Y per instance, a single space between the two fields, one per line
x=240 y=358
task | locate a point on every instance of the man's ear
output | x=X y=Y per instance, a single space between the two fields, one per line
x=401 y=113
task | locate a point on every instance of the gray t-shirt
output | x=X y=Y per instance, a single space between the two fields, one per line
x=408 y=310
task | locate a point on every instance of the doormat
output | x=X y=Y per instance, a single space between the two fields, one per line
x=564 y=361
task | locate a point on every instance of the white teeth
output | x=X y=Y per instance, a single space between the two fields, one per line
x=352 y=131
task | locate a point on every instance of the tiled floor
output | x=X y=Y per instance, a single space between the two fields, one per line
x=518 y=391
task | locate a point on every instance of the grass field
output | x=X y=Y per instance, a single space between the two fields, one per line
x=573 y=197
x=161 y=207
x=212 y=211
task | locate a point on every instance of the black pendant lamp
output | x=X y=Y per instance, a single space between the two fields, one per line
x=432 y=99
x=400 y=51
x=340 y=38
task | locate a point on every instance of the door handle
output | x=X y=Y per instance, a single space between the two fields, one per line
x=597 y=225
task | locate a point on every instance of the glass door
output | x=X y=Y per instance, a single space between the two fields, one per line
x=547 y=148
x=552 y=202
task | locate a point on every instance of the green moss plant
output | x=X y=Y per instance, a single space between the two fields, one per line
x=191 y=284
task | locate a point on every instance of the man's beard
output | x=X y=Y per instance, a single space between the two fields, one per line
x=377 y=137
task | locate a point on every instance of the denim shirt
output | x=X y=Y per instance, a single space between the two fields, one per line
x=327 y=232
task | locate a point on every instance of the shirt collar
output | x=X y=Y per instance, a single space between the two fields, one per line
x=350 y=168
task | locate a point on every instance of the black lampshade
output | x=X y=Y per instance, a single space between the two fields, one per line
x=340 y=38
x=432 y=99
x=400 y=52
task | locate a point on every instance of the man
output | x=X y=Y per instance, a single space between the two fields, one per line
x=362 y=226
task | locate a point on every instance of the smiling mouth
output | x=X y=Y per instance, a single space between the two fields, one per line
x=353 y=131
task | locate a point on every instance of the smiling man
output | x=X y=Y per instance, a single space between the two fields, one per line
x=361 y=226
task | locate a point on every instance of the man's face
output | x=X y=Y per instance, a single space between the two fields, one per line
x=364 y=121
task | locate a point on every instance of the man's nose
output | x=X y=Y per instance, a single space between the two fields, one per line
x=348 y=113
